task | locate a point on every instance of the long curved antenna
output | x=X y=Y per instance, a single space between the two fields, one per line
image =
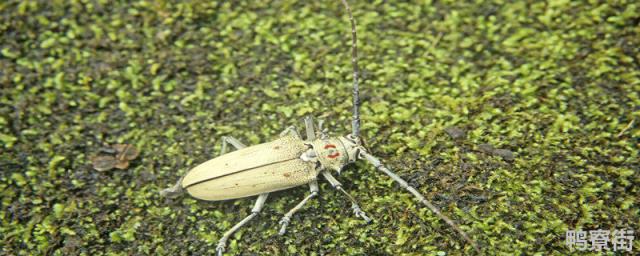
x=355 y=124
x=376 y=162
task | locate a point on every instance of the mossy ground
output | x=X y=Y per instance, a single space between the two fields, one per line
x=555 y=83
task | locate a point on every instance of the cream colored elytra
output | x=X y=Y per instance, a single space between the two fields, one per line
x=277 y=165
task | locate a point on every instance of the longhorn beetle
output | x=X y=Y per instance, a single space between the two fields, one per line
x=288 y=162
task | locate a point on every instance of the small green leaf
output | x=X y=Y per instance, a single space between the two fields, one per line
x=7 y=140
x=47 y=43
x=58 y=210
x=271 y=93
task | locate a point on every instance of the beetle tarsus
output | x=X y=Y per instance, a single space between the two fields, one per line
x=174 y=191
x=220 y=248
x=284 y=222
x=359 y=213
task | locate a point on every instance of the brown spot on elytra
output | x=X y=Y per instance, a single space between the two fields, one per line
x=286 y=174
x=237 y=184
x=276 y=147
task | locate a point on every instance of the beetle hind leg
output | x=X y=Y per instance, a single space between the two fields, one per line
x=284 y=222
x=174 y=191
x=230 y=140
x=262 y=198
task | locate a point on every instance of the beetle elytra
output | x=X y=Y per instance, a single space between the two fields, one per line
x=288 y=162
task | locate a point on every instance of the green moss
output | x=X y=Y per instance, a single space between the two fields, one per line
x=552 y=88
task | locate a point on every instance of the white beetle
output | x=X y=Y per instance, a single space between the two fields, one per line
x=287 y=162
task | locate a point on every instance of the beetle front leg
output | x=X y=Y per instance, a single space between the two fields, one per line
x=313 y=185
x=262 y=198
x=354 y=204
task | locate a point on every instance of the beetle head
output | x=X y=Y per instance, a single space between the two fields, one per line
x=336 y=153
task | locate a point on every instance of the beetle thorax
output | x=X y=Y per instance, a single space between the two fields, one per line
x=332 y=153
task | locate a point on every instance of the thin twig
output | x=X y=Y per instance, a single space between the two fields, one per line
x=437 y=40
x=626 y=127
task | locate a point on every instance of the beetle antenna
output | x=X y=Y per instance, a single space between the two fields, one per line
x=355 y=124
x=376 y=162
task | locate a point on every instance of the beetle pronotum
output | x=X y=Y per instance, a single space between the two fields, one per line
x=287 y=162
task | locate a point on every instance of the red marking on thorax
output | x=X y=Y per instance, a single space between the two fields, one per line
x=334 y=155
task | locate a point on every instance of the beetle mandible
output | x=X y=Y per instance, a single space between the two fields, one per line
x=288 y=162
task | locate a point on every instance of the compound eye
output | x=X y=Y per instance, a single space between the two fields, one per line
x=333 y=152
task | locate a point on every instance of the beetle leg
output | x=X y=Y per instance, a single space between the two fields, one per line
x=313 y=185
x=174 y=191
x=308 y=124
x=291 y=130
x=322 y=132
x=262 y=198
x=230 y=140
x=376 y=162
x=354 y=204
